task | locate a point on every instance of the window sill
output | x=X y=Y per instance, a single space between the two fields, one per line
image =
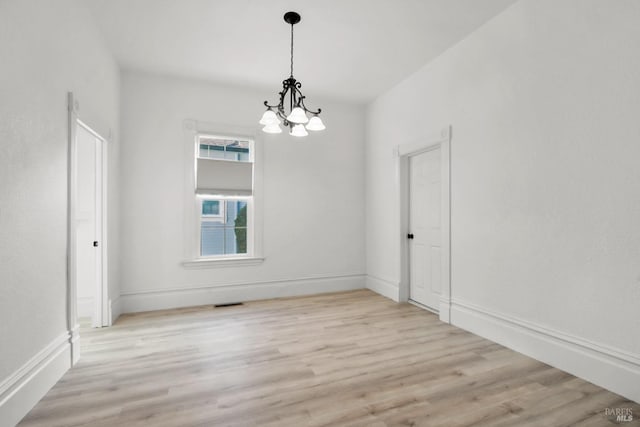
x=222 y=262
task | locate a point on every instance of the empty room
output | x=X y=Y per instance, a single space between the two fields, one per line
x=319 y=213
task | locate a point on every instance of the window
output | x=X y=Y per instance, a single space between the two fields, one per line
x=222 y=196
x=224 y=191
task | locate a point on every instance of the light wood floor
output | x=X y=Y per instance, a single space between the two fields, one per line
x=346 y=359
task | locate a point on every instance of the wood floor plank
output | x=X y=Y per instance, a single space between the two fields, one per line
x=346 y=359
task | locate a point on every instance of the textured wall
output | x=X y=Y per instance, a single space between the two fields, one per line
x=47 y=49
x=544 y=105
x=313 y=188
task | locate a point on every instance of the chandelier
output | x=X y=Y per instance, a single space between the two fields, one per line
x=295 y=116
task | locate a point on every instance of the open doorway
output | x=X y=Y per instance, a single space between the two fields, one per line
x=87 y=285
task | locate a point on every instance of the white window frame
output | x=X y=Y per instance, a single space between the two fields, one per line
x=193 y=131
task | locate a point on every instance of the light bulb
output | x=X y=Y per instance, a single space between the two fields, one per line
x=269 y=117
x=297 y=115
x=315 y=123
x=272 y=128
x=298 y=130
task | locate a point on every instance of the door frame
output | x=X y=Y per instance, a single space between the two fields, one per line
x=442 y=140
x=101 y=308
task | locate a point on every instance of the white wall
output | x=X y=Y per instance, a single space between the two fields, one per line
x=544 y=105
x=313 y=197
x=47 y=49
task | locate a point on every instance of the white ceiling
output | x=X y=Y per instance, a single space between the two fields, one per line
x=346 y=49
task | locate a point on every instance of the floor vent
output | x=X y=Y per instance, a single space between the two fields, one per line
x=231 y=304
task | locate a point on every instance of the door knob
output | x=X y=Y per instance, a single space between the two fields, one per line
x=410 y=236
x=95 y=243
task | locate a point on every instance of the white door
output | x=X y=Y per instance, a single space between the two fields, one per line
x=89 y=226
x=425 y=228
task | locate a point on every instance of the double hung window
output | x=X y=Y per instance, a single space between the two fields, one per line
x=224 y=193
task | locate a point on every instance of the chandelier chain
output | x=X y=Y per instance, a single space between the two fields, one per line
x=291 y=50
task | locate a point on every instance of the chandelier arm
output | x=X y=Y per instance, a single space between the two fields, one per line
x=281 y=112
x=304 y=107
x=266 y=104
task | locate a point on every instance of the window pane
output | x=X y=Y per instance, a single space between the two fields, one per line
x=212 y=240
x=236 y=213
x=223 y=236
x=230 y=155
x=220 y=148
x=216 y=154
x=235 y=240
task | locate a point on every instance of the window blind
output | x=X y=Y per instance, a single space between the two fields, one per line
x=224 y=178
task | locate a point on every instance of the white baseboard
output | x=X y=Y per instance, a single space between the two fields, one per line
x=384 y=287
x=607 y=367
x=115 y=309
x=21 y=391
x=85 y=307
x=445 y=309
x=132 y=302
x=74 y=340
